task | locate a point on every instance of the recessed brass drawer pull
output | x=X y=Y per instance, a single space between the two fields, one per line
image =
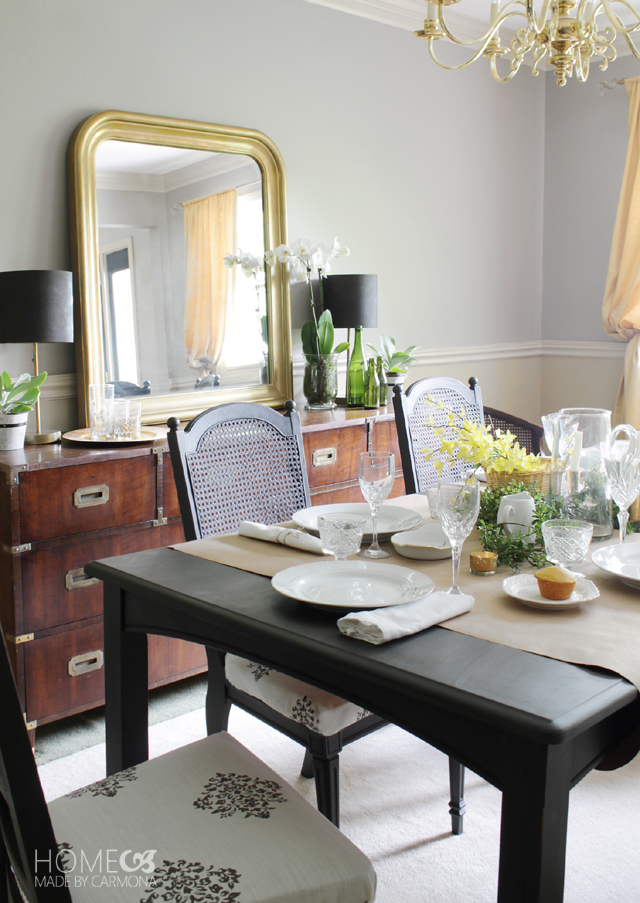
x=77 y=579
x=88 y=661
x=324 y=456
x=88 y=496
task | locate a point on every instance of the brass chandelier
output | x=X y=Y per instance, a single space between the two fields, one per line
x=566 y=32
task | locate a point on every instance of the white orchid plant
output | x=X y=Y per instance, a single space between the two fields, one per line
x=304 y=261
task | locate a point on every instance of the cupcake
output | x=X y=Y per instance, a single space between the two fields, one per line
x=555 y=583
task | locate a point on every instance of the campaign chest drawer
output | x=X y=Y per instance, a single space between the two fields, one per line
x=64 y=501
x=55 y=590
x=64 y=672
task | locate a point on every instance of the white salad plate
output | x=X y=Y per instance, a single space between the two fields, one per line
x=622 y=560
x=428 y=543
x=392 y=519
x=352 y=584
x=524 y=588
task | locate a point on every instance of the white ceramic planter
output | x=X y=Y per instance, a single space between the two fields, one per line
x=392 y=380
x=13 y=428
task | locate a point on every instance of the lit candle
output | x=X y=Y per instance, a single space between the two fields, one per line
x=575 y=454
x=483 y=563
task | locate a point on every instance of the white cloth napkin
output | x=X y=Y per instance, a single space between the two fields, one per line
x=384 y=624
x=284 y=535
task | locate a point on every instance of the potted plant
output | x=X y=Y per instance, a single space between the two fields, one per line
x=320 y=382
x=395 y=363
x=16 y=400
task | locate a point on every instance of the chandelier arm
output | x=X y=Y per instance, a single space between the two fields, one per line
x=533 y=20
x=497 y=76
x=486 y=38
x=452 y=68
x=632 y=46
x=615 y=19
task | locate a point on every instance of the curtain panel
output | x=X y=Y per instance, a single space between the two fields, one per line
x=621 y=307
x=210 y=233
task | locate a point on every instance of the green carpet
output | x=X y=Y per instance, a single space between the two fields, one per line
x=69 y=735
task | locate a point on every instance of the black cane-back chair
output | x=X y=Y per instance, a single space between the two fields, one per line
x=207 y=821
x=417 y=420
x=528 y=435
x=241 y=462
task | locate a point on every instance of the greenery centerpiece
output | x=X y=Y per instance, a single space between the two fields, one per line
x=515 y=549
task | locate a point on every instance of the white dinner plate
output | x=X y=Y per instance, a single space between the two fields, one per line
x=392 y=519
x=353 y=585
x=622 y=560
x=524 y=588
x=428 y=543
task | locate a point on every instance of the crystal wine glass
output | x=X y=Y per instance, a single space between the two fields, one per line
x=623 y=472
x=458 y=507
x=376 y=471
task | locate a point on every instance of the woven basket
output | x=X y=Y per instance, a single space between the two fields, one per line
x=539 y=479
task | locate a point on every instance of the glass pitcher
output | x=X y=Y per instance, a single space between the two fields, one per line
x=587 y=485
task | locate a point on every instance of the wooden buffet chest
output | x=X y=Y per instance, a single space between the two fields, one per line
x=64 y=505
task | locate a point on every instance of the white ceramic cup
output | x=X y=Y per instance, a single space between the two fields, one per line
x=516 y=513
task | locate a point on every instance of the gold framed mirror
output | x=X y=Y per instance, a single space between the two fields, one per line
x=155 y=204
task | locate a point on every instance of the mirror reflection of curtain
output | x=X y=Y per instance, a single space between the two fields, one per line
x=210 y=226
x=621 y=307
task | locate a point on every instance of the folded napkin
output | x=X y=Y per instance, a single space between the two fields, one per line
x=384 y=624
x=284 y=535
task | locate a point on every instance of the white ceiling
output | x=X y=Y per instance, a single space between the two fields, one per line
x=125 y=156
x=467 y=18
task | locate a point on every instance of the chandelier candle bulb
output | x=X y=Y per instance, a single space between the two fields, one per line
x=483 y=563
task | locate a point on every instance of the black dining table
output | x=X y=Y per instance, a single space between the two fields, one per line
x=532 y=726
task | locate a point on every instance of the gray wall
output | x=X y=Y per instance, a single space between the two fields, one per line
x=434 y=179
x=585 y=148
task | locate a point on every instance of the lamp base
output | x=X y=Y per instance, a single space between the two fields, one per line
x=42 y=438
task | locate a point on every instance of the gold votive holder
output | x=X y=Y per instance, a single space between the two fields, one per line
x=483 y=563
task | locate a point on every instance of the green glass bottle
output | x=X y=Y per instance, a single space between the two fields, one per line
x=357 y=371
x=371 y=386
x=382 y=379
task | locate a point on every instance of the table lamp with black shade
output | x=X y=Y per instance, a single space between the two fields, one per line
x=36 y=306
x=353 y=302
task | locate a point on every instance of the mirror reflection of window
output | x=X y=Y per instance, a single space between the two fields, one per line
x=118 y=311
x=245 y=341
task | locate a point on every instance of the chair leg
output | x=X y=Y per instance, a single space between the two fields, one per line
x=217 y=705
x=325 y=752
x=457 y=805
x=307 y=765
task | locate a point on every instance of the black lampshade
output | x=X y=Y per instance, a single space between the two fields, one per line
x=352 y=300
x=36 y=306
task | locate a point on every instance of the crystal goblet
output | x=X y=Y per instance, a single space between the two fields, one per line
x=623 y=471
x=340 y=534
x=566 y=542
x=458 y=507
x=376 y=472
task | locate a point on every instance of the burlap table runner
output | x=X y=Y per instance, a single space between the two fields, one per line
x=604 y=632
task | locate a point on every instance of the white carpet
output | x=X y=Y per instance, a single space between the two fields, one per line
x=394 y=795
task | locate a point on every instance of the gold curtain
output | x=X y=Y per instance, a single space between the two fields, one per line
x=210 y=233
x=621 y=307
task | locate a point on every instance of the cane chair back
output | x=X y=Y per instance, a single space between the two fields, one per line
x=238 y=462
x=528 y=435
x=417 y=421
x=205 y=821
